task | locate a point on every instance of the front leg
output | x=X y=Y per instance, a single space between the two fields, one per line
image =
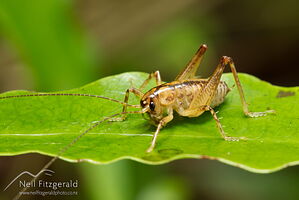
x=138 y=93
x=135 y=91
x=162 y=123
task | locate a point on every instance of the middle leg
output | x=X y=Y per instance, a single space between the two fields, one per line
x=223 y=134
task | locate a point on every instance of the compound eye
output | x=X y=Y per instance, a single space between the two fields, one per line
x=152 y=106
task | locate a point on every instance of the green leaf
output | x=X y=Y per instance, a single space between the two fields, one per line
x=47 y=124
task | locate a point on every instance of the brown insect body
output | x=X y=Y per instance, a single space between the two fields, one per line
x=178 y=96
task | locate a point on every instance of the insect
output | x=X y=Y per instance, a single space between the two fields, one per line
x=187 y=95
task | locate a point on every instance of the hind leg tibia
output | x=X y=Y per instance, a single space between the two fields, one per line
x=246 y=111
x=152 y=75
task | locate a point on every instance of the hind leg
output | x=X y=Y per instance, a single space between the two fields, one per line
x=246 y=111
x=152 y=75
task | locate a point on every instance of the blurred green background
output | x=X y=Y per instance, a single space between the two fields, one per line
x=53 y=45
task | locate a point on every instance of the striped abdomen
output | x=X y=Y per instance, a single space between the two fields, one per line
x=179 y=95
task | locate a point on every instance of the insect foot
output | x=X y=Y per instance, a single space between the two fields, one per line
x=259 y=114
x=228 y=138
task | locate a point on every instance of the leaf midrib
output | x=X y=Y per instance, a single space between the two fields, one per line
x=160 y=136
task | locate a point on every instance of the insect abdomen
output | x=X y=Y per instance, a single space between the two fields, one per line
x=179 y=95
x=187 y=91
x=220 y=94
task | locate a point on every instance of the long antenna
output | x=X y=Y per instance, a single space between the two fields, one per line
x=69 y=94
x=65 y=148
